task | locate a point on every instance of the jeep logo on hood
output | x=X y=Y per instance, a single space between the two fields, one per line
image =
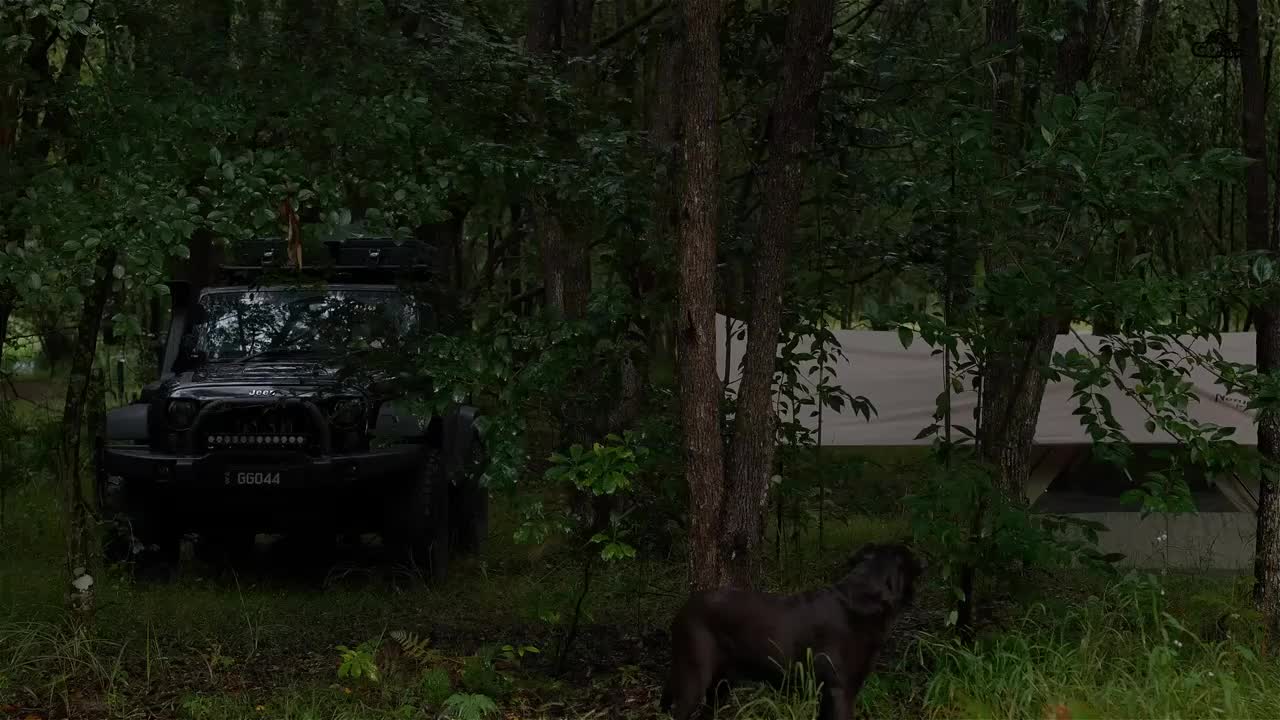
x=260 y=393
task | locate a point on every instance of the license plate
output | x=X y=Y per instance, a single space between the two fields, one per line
x=250 y=477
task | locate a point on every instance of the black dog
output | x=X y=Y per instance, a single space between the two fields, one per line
x=738 y=635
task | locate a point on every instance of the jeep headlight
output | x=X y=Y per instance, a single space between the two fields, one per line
x=347 y=412
x=181 y=413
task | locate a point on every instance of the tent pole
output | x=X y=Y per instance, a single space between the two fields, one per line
x=822 y=383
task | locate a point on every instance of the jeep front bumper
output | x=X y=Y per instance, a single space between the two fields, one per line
x=262 y=491
x=296 y=470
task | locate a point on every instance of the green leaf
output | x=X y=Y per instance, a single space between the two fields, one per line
x=81 y=14
x=34 y=281
x=1047 y=134
x=118 y=271
x=905 y=336
x=1263 y=270
x=215 y=156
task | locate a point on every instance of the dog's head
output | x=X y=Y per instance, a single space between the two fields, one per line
x=882 y=578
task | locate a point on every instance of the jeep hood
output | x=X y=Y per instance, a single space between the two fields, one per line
x=260 y=379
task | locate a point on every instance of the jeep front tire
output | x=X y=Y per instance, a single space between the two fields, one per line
x=470 y=511
x=418 y=520
x=129 y=533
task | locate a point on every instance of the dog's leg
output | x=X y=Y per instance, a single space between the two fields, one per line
x=836 y=703
x=692 y=670
x=685 y=692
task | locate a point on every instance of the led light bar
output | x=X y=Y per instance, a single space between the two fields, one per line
x=272 y=440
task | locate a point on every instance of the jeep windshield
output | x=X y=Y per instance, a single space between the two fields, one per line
x=246 y=325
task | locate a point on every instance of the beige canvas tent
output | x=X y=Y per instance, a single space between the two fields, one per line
x=903 y=384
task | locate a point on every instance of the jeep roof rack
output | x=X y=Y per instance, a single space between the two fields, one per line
x=359 y=258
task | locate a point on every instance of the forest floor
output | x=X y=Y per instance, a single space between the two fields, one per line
x=263 y=641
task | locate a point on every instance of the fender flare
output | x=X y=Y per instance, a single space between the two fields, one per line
x=459 y=431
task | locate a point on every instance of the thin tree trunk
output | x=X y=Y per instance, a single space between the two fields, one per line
x=75 y=505
x=1014 y=384
x=792 y=122
x=1013 y=376
x=699 y=232
x=6 y=310
x=555 y=25
x=1012 y=390
x=1257 y=206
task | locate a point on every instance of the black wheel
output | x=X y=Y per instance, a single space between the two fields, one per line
x=131 y=531
x=418 y=524
x=116 y=523
x=470 y=502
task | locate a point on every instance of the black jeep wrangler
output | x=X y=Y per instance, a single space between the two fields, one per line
x=258 y=425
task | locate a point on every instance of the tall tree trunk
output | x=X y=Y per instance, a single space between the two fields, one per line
x=542 y=33
x=1146 y=33
x=1013 y=386
x=1002 y=35
x=75 y=505
x=1257 y=206
x=662 y=117
x=792 y=121
x=554 y=25
x=1076 y=49
x=699 y=233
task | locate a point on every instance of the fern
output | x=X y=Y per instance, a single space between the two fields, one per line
x=464 y=706
x=412 y=645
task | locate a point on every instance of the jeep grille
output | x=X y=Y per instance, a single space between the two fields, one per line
x=267 y=427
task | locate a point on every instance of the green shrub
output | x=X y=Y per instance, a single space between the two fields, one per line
x=436 y=686
x=481 y=677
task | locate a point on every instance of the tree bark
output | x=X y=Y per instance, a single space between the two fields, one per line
x=1146 y=33
x=1002 y=35
x=6 y=310
x=1012 y=389
x=1014 y=382
x=792 y=122
x=542 y=34
x=75 y=505
x=698 y=237
x=554 y=25
x=1257 y=210
x=1076 y=49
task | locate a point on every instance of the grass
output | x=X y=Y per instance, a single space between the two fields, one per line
x=1131 y=652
